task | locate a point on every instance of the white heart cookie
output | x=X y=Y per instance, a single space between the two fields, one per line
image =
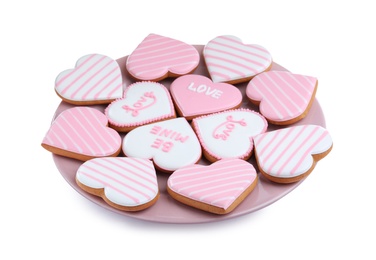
x=143 y=103
x=229 y=134
x=171 y=144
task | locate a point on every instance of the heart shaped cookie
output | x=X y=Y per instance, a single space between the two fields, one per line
x=171 y=144
x=284 y=98
x=96 y=79
x=229 y=134
x=229 y=60
x=218 y=188
x=158 y=57
x=196 y=95
x=128 y=184
x=290 y=154
x=82 y=133
x=143 y=103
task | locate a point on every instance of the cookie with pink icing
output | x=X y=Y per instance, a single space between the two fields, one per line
x=288 y=155
x=229 y=60
x=82 y=133
x=171 y=144
x=158 y=57
x=128 y=184
x=196 y=95
x=143 y=103
x=217 y=188
x=229 y=134
x=283 y=97
x=96 y=79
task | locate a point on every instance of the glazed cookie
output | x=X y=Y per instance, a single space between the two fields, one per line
x=229 y=134
x=229 y=60
x=82 y=133
x=128 y=184
x=196 y=95
x=96 y=79
x=171 y=144
x=217 y=188
x=143 y=103
x=283 y=97
x=158 y=57
x=290 y=154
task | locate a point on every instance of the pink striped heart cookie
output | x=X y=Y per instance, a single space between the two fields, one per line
x=229 y=134
x=290 y=154
x=196 y=95
x=143 y=103
x=82 y=133
x=217 y=188
x=229 y=60
x=128 y=184
x=158 y=57
x=96 y=79
x=171 y=144
x=283 y=97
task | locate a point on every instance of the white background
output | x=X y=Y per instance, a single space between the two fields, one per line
x=331 y=215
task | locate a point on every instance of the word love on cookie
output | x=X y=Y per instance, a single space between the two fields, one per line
x=207 y=97
x=166 y=143
x=143 y=103
x=229 y=134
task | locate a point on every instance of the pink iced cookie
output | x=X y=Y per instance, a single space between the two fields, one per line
x=82 y=133
x=290 y=154
x=158 y=57
x=284 y=98
x=171 y=144
x=128 y=184
x=196 y=95
x=217 y=188
x=229 y=60
x=229 y=134
x=143 y=103
x=96 y=79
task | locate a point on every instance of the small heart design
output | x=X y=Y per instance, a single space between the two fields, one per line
x=229 y=134
x=171 y=144
x=288 y=155
x=143 y=103
x=128 y=184
x=284 y=98
x=217 y=188
x=82 y=133
x=158 y=57
x=96 y=79
x=229 y=60
x=196 y=95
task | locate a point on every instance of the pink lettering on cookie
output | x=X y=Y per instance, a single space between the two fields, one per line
x=168 y=133
x=224 y=130
x=145 y=101
x=161 y=144
x=206 y=90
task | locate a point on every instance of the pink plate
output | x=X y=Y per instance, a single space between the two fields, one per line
x=168 y=210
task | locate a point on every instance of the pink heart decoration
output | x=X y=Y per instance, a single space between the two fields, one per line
x=196 y=95
x=158 y=57
x=228 y=59
x=82 y=133
x=96 y=79
x=217 y=188
x=283 y=97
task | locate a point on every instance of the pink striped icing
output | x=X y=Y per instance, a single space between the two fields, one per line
x=287 y=152
x=282 y=95
x=95 y=77
x=218 y=184
x=127 y=181
x=157 y=55
x=228 y=59
x=83 y=130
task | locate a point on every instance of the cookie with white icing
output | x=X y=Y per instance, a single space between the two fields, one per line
x=128 y=184
x=143 y=103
